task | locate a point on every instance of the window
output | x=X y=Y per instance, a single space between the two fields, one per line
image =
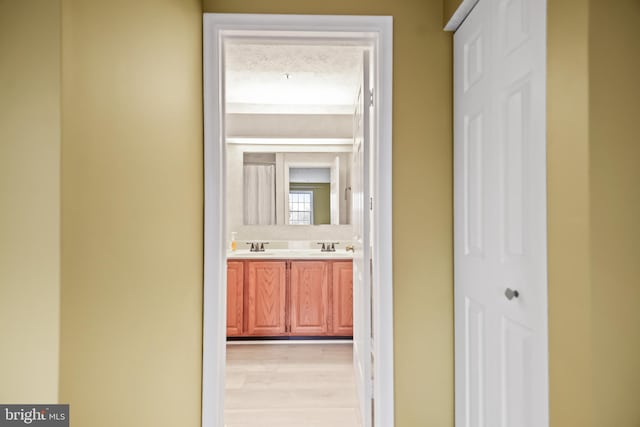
x=301 y=207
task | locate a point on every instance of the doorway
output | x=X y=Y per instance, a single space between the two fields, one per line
x=375 y=33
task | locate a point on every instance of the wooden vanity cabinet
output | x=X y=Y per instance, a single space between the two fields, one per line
x=342 y=284
x=309 y=298
x=289 y=298
x=235 y=298
x=265 y=302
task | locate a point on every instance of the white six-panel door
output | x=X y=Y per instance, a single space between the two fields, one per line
x=500 y=216
x=360 y=220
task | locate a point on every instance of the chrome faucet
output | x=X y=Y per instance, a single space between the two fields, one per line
x=257 y=246
x=328 y=246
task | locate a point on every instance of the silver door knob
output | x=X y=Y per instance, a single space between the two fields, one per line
x=511 y=294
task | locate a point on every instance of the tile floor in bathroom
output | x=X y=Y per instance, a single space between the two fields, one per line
x=287 y=385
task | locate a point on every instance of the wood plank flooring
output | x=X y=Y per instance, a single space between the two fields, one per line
x=290 y=385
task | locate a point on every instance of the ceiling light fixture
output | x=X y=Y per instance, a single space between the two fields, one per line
x=287 y=76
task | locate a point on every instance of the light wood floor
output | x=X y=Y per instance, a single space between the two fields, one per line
x=287 y=385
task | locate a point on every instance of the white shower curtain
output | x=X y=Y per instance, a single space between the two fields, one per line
x=259 y=194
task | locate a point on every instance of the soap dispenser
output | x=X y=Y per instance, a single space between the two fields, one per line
x=234 y=244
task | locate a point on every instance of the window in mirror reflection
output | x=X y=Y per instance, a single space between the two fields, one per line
x=309 y=196
x=300 y=207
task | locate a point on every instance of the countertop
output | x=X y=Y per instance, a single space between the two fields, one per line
x=290 y=254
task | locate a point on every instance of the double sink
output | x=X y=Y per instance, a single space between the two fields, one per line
x=290 y=253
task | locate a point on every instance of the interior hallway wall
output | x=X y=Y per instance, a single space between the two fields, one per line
x=422 y=195
x=132 y=221
x=614 y=108
x=568 y=216
x=29 y=200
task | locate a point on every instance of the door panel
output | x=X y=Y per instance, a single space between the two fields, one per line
x=474 y=363
x=517 y=369
x=309 y=298
x=500 y=215
x=361 y=223
x=235 y=298
x=514 y=128
x=342 y=299
x=473 y=184
x=266 y=300
x=474 y=59
x=515 y=22
x=473 y=168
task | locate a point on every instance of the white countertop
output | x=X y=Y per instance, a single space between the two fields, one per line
x=290 y=254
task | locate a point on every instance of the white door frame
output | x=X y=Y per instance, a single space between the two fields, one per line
x=379 y=31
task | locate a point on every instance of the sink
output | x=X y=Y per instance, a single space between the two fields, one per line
x=291 y=254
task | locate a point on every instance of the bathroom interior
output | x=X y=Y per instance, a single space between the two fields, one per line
x=289 y=144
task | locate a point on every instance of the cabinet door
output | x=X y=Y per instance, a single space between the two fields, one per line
x=266 y=299
x=342 y=299
x=309 y=298
x=235 y=297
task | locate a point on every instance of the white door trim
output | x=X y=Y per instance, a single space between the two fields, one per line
x=460 y=15
x=378 y=29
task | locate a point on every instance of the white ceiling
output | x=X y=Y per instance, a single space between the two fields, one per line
x=323 y=79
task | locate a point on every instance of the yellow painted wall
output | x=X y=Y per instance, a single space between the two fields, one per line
x=132 y=201
x=614 y=109
x=422 y=226
x=570 y=362
x=29 y=200
x=594 y=206
x=132 y=207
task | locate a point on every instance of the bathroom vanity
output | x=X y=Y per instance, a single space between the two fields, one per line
x=289 y=294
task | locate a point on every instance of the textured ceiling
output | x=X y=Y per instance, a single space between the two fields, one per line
x=323 y=79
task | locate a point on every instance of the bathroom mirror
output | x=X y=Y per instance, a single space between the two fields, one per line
x=294 y=188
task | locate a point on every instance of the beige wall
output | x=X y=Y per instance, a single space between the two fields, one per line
x=614 y=134
x=29 y=200
x=594 y=206
x=132 y=207
x=422 y=226
x=570 y=365
x=132 y=200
